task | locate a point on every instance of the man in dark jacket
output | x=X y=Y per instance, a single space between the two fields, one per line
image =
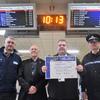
x=91 y=62
x=67 y=89
x=31 y=78
x=9 y=63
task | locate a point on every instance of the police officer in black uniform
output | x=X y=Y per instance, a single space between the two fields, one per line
x=91 y=62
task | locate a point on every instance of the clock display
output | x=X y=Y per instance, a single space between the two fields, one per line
x=51 y=22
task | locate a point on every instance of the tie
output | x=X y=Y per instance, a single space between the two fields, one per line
x=34 y=68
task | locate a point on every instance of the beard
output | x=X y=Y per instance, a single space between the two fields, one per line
x=9 y=48
x=62 y=52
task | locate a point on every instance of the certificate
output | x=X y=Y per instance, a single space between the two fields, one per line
x=61 y=67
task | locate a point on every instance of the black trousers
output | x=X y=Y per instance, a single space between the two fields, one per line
x=7 y=96
x=62 y=99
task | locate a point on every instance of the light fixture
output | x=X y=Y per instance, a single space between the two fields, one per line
x=73 y=51
x=2 y=32
x=69 y=51
x=23 y=51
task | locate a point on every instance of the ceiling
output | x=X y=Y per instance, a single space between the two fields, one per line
x=48 y=1
x=42 y=6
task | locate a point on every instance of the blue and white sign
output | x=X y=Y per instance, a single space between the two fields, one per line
x=61 y=67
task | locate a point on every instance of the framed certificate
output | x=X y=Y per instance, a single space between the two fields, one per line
x=61 y=67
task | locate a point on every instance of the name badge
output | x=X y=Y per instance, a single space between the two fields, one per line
x=14 y=62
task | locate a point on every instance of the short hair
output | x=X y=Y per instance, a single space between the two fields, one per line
x=10 y=37
x=61 y=40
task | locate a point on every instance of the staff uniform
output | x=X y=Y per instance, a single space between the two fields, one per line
x=91 y=78
x=8 y=74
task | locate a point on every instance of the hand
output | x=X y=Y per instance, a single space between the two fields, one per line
x=32 y=90
x=44 y=69
x=79 y=68
x=84 y=95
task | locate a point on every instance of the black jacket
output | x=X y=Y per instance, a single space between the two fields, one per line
x=63 y=90
x=26 y=79
x=8 y=71
x=91 y=76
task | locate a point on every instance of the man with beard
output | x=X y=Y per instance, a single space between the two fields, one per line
x=67 y=89
x=9 y=63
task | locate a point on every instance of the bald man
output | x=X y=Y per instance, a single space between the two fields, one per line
x=31 y=78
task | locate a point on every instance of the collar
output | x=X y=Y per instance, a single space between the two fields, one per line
x=98 y=53
x=66 y=54
x=35 y=59
x=5 y=51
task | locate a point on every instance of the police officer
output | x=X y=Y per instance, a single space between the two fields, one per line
x=91 y=62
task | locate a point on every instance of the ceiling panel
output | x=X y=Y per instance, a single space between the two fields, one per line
x=48 y=1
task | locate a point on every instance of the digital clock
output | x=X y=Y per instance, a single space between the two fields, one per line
x=51 y=22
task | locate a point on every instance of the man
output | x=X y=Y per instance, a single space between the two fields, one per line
x=9 y=63
x=31 y=78
x=67 y=89
x=91 y=63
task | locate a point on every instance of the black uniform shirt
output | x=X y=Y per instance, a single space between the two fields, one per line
x=91 y=78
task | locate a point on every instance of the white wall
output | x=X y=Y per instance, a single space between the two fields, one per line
x=47 y=42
